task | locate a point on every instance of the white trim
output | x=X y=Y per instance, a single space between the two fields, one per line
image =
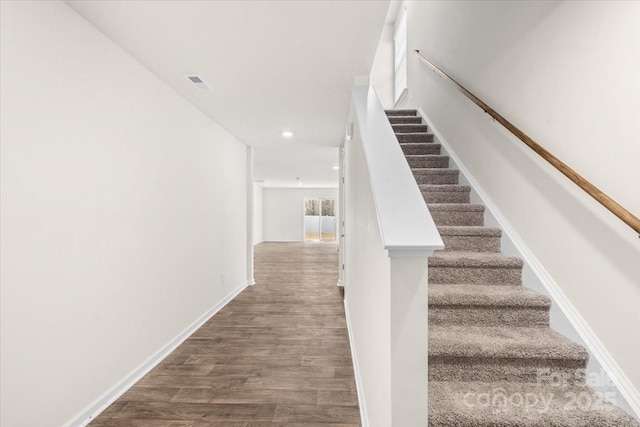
x=408 y=252
x=362 y=405
x=340 y=283
x=403 y=217
x=250 y=213
x=126 y=383
x=400 y=99
x=580 y=326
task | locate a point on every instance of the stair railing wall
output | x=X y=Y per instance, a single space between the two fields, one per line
x=602 y=198
x=389 y=236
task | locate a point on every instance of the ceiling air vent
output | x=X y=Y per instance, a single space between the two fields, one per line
x=197 y=80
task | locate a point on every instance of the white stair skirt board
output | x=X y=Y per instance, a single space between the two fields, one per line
x=566 y=319
x=362 y=406
x=102 y=403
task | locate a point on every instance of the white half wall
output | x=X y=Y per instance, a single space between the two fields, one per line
x=367 y=291
x=122 y=208
x=284 y=211
x=566 y=73
x=258 y=216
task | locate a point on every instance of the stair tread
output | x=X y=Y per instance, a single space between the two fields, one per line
x=445 y=187
x=474 y=259
x=505 y=342
x=425 y=156
x=437 y=170
x=453 y=230
x=401 y=112
x=419 y=144
x=415 y=137
x=413 y=133
x=459 y=404
x=470 y=207
x=404 y=128
x=486 y=295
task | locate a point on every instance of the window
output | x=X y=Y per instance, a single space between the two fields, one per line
x=400 y=56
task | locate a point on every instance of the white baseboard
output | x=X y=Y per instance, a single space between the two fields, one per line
x=580 y=327
x=102 y=403
x=364 y=418
x=401 y=98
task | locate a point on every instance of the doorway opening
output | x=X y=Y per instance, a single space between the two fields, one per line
x=320 y=220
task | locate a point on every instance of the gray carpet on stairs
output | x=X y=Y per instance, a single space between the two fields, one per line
x=491 y=350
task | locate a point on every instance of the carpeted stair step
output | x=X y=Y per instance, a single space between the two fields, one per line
x=446 y=193
x=391 y=113
x=470 y=239
x=411 y=148
x=474 y=268
x=456 y=213
x=489 y=335
x=507 y=404
x=503 y=353
x=409 y=128
x=427 y=161
x=487 y=305
x=416 y=138
x=435 y=176
x=395 y=120
x=420 y=148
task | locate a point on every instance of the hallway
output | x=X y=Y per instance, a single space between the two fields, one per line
x=276 y=355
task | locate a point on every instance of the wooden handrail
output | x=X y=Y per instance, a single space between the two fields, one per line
x=606 y=201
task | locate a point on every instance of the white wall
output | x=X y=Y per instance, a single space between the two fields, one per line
x=565 y=73
x=367 y=290
x=122 y=206
x=284 y=211
x=382 y=70
x=258 y=216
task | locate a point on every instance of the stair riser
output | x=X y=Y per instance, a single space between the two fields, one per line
x=421 y=149
x=446 y=196
x=428 y=162
x=444 y=176
x=488 y=316
x=416 y=138
x=460 y=218
x=395 y=120
x=409 y=128
x=476 y=275
x=471 y=243
x=505 y=370
x=391 y=113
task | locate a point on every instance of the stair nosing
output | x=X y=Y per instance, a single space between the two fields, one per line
x=474 y=260
x=457 y=344
x=485 y=296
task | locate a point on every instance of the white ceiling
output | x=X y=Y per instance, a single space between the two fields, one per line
x=271 y=65
x=280 y=166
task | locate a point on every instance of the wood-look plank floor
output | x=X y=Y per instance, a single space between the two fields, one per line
x=277 y=355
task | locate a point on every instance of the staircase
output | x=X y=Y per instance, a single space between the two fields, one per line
x=493 y=359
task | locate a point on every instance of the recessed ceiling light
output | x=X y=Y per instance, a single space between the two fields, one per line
x=335 y=168
x=287 y=134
